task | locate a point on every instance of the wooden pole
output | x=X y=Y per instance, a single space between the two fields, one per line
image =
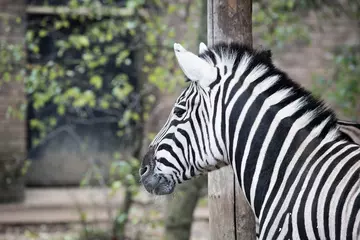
x=230 y=215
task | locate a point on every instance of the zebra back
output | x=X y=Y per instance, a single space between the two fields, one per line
x=350 y=130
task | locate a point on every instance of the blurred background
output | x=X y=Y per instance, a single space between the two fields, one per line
x=86 y=84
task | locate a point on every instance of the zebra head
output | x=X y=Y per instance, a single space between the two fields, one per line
x=186 y=146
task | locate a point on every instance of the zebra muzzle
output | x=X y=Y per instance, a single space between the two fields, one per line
x=154 y=183
x=157 y=185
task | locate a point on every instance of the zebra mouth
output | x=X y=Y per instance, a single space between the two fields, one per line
x=158 y=185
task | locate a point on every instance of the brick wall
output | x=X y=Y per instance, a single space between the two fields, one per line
x=12 y=131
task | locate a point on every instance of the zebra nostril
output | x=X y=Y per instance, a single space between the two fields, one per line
x=144 y=170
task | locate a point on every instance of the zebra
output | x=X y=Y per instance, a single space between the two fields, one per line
x=299 y=173
x=350 y=130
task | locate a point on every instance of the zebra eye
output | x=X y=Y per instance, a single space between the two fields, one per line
x=179 y=111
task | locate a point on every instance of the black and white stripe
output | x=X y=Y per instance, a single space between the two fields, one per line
x=297 y=165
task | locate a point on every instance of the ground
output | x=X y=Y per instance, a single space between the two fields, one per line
x=54 y=214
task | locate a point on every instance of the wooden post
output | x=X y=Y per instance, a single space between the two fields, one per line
x=230 y=215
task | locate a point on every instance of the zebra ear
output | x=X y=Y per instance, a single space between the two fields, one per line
x=195 y=68
x=202 y=48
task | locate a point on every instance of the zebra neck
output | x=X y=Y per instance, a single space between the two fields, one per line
x=268 y=131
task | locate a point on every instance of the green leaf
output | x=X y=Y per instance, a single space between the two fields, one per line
x=61 y=110
x=72 y=92
x=122 y=92
x=52 y=121
x=43 y=33
x=6 y=76
x=31 y=235
x=80 y=102
x=30 y=35
x=121 y=218
x=84 y=41
x=135 y=116
x=104 y=104
x=115 y=185
x=37 y=124
x=79 y=41
x=172 y=8
x=96 y=81
x=83 y=216
x=117 y=155
x=121 y=57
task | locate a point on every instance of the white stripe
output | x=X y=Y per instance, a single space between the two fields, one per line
x=242 y=67
x=218 y=122
x=214 y=128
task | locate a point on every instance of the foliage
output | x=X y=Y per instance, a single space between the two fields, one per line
x=96 y=62
x=344 y=90
x=124 y=174
x=11 y=56
x=351 y=8
x=279 y=23
x=73 y=75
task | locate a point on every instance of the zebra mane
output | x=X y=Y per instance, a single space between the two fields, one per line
x=234 y=52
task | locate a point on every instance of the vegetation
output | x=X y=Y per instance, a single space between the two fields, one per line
x=343 y=90
x=69 y=79
x=280 y=23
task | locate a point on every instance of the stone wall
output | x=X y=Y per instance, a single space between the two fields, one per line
x=304 y=62
x=12 y=130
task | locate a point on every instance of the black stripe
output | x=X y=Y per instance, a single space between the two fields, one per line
x=217 y=80
x=214 y=120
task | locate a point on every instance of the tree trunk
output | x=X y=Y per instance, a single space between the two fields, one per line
x=230 y=215
x=180 y=209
